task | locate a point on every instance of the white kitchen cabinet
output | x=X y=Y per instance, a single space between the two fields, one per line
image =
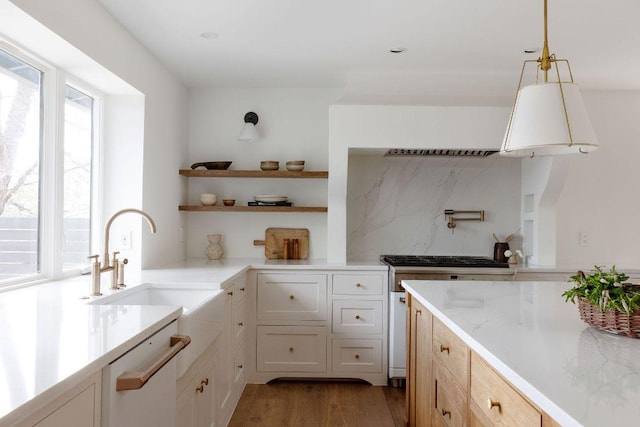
x=80 y=406
x=318 y=324
x=292 y=297
x=210 y=389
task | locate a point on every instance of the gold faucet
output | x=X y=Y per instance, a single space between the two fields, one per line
x=114 y=265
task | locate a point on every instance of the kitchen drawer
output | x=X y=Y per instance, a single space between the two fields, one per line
x=239 y=291
x=358 y=284
x=239 y=322
x=292 y=297
x=497 y=400
x=239 y=366
x=360 y=317
x=450 y=401
x=292 y=348
x=451 y=351
x=357 y=355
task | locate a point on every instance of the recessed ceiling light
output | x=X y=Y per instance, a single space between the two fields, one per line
x=209 y=35
x=398 y=49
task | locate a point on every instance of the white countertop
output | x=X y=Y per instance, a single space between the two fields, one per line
x=50 y=339
x=525 y=330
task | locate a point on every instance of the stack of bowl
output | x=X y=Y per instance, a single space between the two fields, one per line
x=295 y=165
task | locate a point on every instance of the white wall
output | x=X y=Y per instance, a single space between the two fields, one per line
x=82 y=37
x=600 y=196
x=396 y=205
x=293 y=125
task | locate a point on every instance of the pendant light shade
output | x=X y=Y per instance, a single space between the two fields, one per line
x=548 y=120
x=549 y=117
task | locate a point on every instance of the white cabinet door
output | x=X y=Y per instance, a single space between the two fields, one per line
x=357 y=317
x=292 y=297
x=357 y=355
x=79 y=411
x=292 y=348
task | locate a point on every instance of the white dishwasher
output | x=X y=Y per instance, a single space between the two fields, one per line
x=139 y=388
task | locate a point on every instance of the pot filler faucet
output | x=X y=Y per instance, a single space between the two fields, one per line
x=116 y=266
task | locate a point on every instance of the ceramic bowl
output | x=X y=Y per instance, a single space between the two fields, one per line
x=269 y=165
x=208 y=199
x=295 y=165
x=229 y=202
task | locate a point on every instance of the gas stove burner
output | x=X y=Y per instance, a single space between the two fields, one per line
x=441 y=261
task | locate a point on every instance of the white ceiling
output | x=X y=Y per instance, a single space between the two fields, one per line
x=455 y=48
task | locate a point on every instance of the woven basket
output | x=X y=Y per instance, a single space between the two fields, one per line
x=611 y=320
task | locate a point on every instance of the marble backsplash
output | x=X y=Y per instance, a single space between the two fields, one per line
x=396 y=205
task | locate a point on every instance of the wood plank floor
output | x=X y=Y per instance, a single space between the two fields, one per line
x=322 y=404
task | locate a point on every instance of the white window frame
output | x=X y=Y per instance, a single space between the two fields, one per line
x=51 y=177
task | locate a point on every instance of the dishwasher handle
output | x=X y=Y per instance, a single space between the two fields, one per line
x=137 y=380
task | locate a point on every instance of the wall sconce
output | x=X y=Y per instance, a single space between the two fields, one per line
x=249 y=132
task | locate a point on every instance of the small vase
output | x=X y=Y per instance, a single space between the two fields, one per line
x=214 y=250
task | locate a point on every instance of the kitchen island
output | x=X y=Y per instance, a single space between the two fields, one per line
x=531 y=337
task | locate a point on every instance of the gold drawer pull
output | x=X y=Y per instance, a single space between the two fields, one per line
x=290 y=349
x=200 y=388
x=491 y=404
x=357 y=317
x=357 y=356
x=446 y=413
x=358 y=285
x=444 y=348
x=292 y=297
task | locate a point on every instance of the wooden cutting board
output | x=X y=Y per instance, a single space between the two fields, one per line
x=274 y=240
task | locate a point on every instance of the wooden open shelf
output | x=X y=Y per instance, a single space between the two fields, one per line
x=197 y=208
x=206 y=173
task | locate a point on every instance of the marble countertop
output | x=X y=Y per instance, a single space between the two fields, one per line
x=51 y=339
x=525 y=330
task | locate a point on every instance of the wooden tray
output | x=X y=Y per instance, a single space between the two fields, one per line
x=274 y=240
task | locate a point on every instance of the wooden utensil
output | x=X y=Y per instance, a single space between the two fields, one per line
x=508 y=239
x=274 y=242
x=496 y=237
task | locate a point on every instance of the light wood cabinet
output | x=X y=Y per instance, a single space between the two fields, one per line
x=450 y=385
x=419 y=356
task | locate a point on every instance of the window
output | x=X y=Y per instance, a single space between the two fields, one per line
x=21 y=108
x=45 y=181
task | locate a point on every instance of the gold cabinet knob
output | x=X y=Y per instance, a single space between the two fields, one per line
x=239 y=366
x=491 y=404
x=230 y=293
x=290 y=349
x=357 y=317
x=292 y=297
x=357 y=356
x=444 y=348
x=445 y=413
x=242 y=289
x=240 y=324
x=358 y=285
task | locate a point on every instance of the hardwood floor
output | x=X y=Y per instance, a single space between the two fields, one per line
x=322 y=404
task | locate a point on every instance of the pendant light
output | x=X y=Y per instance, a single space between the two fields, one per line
x=549 y=117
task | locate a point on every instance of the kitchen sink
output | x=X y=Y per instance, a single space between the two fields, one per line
x=202 y=316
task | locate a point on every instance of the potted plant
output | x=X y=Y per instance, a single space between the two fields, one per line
x=606 y=302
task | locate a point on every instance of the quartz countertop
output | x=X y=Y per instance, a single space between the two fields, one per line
x=527 y=332
x=50 y=339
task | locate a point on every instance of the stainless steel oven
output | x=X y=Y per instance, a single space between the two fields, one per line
x=419 y=267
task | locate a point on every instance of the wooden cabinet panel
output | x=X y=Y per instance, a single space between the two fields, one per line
x=451 y=351
x=292 y=297
x=497 y=400
x=357 y=355
x=450 y=400
x=357 y=284
x=419 y=370
x=292 y=348
x=360 y=317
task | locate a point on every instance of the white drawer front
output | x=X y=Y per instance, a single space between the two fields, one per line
x=358 y=284
x=292 y=297
x=359 y=317
x=239 y=322
x=292 y=348
x=239 y=366
x=239 y=291
x=357 y=355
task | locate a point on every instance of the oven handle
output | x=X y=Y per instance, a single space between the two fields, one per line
x=137 y=380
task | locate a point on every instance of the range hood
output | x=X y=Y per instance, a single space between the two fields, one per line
x=439 y=152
